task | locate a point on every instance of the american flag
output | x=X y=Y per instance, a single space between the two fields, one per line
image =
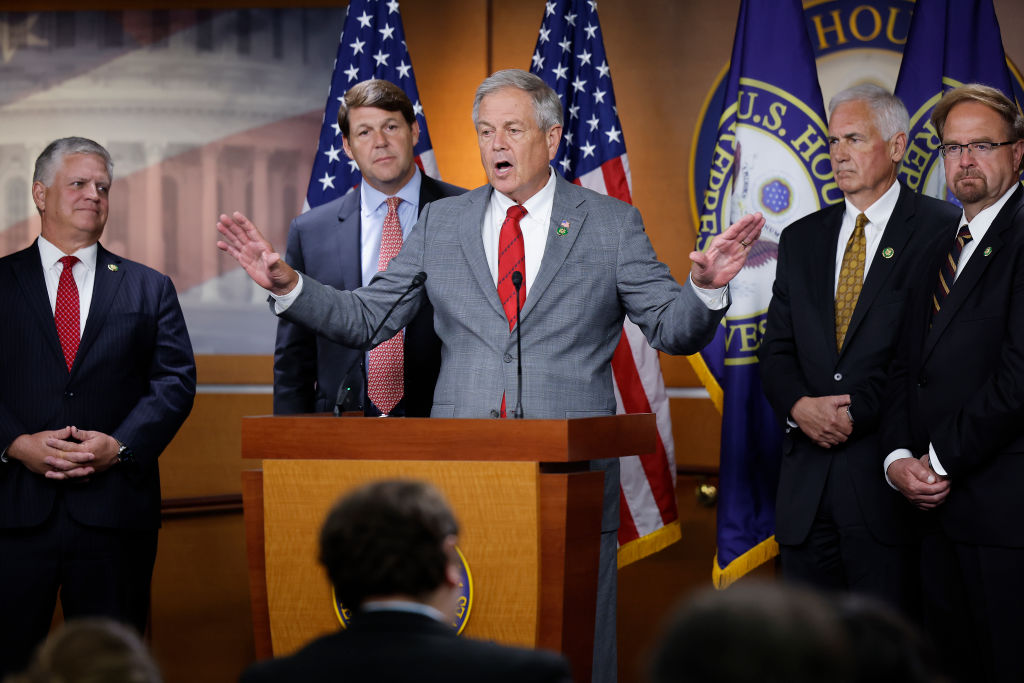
x=372 y=46
x=570 y=57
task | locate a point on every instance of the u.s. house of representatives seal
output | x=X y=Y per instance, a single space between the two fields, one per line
x=771 y=156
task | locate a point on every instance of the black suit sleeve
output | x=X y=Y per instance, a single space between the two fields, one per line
x=295 y=355
x=781 y=376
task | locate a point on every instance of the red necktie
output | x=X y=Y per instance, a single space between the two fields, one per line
x=65 y=313
x=511 y=257
x=387 y=360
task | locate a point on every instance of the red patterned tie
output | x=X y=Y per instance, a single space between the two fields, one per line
x=511 y=257
x=66 y=311
x=387 y=360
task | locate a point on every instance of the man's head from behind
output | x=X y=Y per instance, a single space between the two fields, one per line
x=389 y=539
x=973 y=123
x=71 y=191
x=867 y=134
x=518 y=121
x=379 y=130
x=750 y=633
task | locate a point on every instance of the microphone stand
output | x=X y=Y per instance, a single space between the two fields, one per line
x=517 y=282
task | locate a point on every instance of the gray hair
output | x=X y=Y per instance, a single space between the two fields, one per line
x=891 y=115
x=53 y=156
x=546 y=105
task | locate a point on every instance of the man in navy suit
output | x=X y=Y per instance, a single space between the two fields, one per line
x=954 y=437
x=96 y=376
x=339 y=244
x=389 y=551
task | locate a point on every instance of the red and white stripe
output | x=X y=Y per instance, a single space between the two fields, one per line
x=647 y=501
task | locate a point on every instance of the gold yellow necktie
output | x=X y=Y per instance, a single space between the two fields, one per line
x=851 y=279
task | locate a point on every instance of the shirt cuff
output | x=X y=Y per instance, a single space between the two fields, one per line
x=933 y=460
x=283 y=301
x=715 y=299
x=898 y=454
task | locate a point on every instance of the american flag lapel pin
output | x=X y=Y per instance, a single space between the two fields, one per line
x=563 y=228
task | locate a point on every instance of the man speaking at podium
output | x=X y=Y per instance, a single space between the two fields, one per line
x=584 y=262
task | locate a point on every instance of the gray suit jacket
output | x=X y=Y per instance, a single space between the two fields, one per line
x=602 y=269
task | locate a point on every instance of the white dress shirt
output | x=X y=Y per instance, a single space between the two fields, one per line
x=84 y=273
x=878 y=215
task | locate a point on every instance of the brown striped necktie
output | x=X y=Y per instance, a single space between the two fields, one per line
x=947 y=271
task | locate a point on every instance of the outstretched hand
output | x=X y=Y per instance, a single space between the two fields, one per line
x=243 y=241
x=718 y=264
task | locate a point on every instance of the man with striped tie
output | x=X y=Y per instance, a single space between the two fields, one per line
x=954 y=437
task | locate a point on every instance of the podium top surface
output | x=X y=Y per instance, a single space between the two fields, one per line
x=312 y=437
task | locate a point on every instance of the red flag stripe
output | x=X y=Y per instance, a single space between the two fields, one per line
x=634 y=400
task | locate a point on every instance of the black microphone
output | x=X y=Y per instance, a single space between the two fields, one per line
x=517 y=282
x=417 y=281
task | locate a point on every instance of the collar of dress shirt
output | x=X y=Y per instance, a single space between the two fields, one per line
x=403 y=606
x=983 y=221
x=50 y=254
x=538 y=206
x=878 y=213
x=372 y=199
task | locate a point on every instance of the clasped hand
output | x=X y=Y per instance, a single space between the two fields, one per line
x=68 y=453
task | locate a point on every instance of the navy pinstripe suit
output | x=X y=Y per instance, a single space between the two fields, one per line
x=134 y=379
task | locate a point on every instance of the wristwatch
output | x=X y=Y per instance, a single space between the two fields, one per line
x=124 y=454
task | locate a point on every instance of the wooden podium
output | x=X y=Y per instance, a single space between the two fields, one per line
x=528 y=507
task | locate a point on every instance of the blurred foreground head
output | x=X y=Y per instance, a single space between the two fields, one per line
x=753 y=632
x=91 y=651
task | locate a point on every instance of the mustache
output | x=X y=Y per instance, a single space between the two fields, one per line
x=969 y=173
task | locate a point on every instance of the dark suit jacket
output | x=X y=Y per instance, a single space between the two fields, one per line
x=134 y=378
x=400 y=647
x=960 y=383
x=798 y=357
x=325 y=243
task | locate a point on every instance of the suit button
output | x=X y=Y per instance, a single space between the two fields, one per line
x=508 y=358
x=495 y=413
x=838 y=377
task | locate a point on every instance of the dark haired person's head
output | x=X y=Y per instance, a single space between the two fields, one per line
x=392 y=538
x=753 y=632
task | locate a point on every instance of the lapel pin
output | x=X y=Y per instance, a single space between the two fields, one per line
x=112 y=267
x=563 y=228
x=988 y=250
x=888 y=252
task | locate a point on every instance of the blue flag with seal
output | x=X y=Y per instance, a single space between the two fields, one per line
x=771 y=156
x=951 y=42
